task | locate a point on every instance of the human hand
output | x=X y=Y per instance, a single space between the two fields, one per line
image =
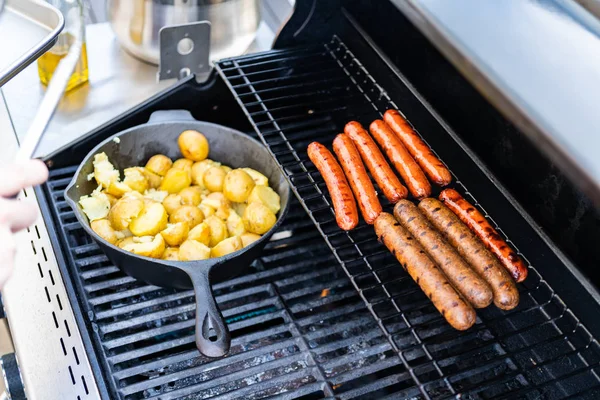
x=16 y=214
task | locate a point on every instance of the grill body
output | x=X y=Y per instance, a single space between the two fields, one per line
x=325 y=313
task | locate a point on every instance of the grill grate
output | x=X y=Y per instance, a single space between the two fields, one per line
x=298 y=327
x=538 y=350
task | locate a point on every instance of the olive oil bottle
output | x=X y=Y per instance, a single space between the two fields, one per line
x=72 y=11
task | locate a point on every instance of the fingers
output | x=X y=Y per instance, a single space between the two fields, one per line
x=16 y=215
x=7 y=254
x=15 y=177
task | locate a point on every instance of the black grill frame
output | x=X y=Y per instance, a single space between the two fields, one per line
x=506 y=339
x=273 y=119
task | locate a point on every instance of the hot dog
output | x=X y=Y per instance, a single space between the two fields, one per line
x=424 y=272
x=355 y=171
x=344 y=205
x=506 y=295
x=407 y=167
x=466 y=281
x=482 y=228
x=375 y=162
x=433 y=167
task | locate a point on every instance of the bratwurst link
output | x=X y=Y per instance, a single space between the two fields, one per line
x=375 y=162
x=466 y=281
x=355 y=171
x=344 y=205
x=424 y=272
x=482 y=228
x=407 y=167
x=506 y=295
x=432 y=166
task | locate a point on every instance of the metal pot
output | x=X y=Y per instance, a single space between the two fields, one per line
x=137 y=24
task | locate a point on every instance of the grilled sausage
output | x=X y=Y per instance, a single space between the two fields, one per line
x=344 y=205
x=376 y=163
x=466 y=281
x=433 y=167
x=482 y=228
x=355 y=171
x=425 y=272
x=409 y=170
x=506 y=295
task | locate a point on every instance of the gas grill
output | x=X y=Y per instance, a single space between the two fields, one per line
x=327 y=313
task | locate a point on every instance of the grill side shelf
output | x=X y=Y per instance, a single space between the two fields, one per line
x=295 y=97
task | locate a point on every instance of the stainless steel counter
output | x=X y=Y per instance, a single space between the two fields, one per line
x=118 y=81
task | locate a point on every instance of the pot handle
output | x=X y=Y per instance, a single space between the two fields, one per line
x=171 y=115
x=212 y=335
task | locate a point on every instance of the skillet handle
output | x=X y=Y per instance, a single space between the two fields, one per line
x=171 y=115
x=212 y=335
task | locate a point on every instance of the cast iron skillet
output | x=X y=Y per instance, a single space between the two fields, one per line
x=134 y=147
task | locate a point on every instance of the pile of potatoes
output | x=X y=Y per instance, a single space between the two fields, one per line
x=191 y=209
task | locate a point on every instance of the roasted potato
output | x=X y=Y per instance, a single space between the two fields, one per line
x=193 y=145
x=249 y=238
x=213 y=179
x=259 y=179
x=171 y=203
x=144 y=246
x=183 y=164
x=266 y=196
x=175 y=234
x=171 y=254
x=219 y=203
x=96 y=206
x=200 y=233
x=226 y=246
x=216 y=200
x=154 y=180
x=117 y=189
x=238 y=185
x=104 y=172
x=175 y=180
x=159 y=164
x=218 y=230
x=156 y=195
x=239 y=208
x=235 y=225
x=207 y=210
x=103 y=228
x=199 y=168
x=150 y=222
x=191 y=196
x=111 y=199
x=192 y=250
x=135 y=179
x=258 y=218
x=190 y=214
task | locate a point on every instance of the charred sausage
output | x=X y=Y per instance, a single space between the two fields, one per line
x=506 y=295
x=433 y=167
x=407 y=167
x=355 y=171
x=424 y=272
x=376 y=163
x=344 y=205
x=482 y=228
x=466 y=281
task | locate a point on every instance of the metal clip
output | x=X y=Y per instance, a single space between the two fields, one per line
x=184 y=50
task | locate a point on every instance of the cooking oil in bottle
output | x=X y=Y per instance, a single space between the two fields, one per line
x=73 y=14
x=49 y=61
